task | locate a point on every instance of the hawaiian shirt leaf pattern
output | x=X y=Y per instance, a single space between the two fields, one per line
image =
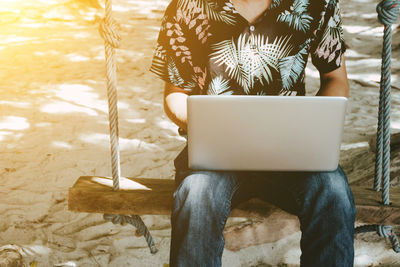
x=251 y=57
x=297 y=17
x=332 y=38
x=209 y=8
x=207 y=47
x=219 y=86
x=291 y=67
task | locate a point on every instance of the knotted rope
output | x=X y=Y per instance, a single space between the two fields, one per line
x=388 y=11
x=383 y=231
x=136 y=221
x=109 y=32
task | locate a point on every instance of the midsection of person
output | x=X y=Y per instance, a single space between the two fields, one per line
x=252 y=47
x=245 y=47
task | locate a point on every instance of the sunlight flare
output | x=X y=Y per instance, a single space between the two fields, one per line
x=14 y=123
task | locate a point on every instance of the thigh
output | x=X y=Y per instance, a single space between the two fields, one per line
x=325 y=188
x=235 y=185
x=291 y=190
x=230 y=187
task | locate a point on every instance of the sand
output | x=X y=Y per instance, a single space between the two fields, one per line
x=54 y=128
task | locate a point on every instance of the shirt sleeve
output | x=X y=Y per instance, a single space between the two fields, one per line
x=328 y=45
x=177 y=58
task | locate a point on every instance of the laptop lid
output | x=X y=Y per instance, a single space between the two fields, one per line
x=265 y=133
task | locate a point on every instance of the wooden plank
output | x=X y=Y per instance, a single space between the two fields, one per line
x=141 y=196
x=370 y=208
x=138 y=196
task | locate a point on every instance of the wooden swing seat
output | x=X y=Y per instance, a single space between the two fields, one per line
x=141 y=196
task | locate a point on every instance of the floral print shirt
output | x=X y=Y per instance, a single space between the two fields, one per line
x=207 y=47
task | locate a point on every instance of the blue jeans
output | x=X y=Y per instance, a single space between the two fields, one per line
x=203 y=200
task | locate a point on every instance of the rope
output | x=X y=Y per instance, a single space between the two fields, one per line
x=385 y=231
x=109 y=32
x=388 y=11
x=136 y=221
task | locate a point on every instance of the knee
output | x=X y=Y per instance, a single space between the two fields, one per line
x=205 y=189
x=196 y=188
x=334 y=193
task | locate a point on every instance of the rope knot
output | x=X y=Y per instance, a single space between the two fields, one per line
x=115 y=219
x=384 y=230
x=109 y=31
x=388 y=11
x=387 y=231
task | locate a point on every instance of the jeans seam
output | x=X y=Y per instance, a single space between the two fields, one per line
x=226 y=214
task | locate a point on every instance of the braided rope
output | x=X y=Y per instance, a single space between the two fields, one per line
x=109 y=32
x=388 y=11
x=136 y=221
x=379 y=141
x=385 y=231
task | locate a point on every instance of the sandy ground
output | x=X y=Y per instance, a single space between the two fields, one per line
x=54 y=128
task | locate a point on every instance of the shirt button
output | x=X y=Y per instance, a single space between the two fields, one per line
x=252 y=28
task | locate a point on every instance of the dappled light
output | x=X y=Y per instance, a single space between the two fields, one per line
x=140 y=121
x=18 y=104
x=164 y=124
x=125 y=184
x=395 y=125
x=13 y=123
x=58 y=107
x=345 y=146
x=77 y=58
x=96 y=138
x=364 y=30
x=80 y=94
x=54 y=127
x=61 y=144
x=363 y=260
x=17 y=40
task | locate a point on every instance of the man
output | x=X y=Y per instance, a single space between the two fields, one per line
x=257 y=47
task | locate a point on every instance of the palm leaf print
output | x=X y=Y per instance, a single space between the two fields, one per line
x=275 y=3
x=209 y=8
x=191 y=84
x=250 y=58
x=328 y=4
x=174 y=75
x=158 y=64
x=333 y=32
x=219 y=86
x=297 y=18
x=227 y=53
x=291 y=67
x=228 y=7
x=332 y=35
x=285 y=92
x=261 y=93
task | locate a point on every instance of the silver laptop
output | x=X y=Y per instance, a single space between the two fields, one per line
x=265 y=133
